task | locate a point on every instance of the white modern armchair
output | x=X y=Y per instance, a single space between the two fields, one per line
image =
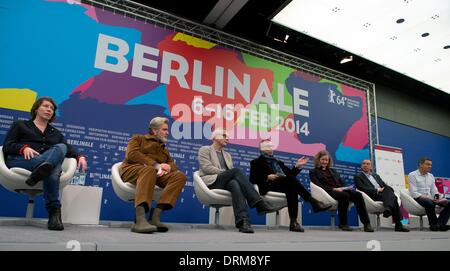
x=412 y=206
x=321 y=195
x=124 y=190
x=276 y=199
x=14 y=179
x=373 y=207
x=215 y=198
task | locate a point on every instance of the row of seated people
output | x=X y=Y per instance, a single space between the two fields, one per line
x=39 y=147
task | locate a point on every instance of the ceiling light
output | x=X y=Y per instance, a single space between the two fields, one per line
x=346 y=59
x=278 y=33
x=388 y=41
x=284 y=40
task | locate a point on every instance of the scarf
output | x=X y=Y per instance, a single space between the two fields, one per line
x=273 y=164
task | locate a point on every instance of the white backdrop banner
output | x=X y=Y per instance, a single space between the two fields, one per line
x=389 y=165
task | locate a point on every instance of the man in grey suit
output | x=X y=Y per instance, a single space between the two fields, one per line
x=372 y=184
x=217 y=171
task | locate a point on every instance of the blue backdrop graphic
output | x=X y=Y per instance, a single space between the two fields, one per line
x=54 y=56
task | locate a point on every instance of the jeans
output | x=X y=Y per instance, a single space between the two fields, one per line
x=242 y=192
x=55 y=156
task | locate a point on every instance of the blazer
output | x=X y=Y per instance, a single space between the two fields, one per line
x=317 y=177
x=146 y=150
x=363 y=184
x=25 y=134
x=210 y=165
x=260 y=169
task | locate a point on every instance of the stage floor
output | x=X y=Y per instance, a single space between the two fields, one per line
x=15 y=235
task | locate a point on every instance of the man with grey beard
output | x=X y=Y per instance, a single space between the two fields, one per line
x=148 y=163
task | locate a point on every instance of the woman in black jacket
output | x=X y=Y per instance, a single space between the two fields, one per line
x=324 y=176
x=39 y=147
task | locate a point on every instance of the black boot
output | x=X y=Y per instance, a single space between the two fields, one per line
x=245 y=227
x=54 y=219
x=263 y=207
x=39 y=173
x=294 y=226
x=345 y=227
x=401 y=228
x=368 y=228
x=444 y=227
x=318 y=206
x=387 y=213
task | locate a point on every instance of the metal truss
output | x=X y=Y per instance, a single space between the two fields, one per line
x=168 y=21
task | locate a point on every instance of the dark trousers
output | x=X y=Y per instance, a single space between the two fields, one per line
x=390 y=202
x=430 y=209
x=242 y=192
x=343 y=199
x=292 y=188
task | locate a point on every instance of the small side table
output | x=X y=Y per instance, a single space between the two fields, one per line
x=81 y=204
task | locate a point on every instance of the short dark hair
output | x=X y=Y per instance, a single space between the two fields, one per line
x=39 y=102
x=423 y=159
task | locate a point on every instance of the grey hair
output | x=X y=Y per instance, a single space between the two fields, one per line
x=156 y=123
x=262 y=141
x=219 y=132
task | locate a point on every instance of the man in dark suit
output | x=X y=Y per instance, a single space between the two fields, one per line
x=271 y=174
x=372 y=184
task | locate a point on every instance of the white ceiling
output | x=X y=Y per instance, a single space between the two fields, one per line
x=369 y=28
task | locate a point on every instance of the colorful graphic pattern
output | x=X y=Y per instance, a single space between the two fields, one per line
x=55 y=55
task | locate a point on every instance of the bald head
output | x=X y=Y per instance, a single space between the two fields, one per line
x=219 y=138
x=366 y=165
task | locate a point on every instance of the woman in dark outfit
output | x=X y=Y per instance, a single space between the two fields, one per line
x=324 y=176
x=37 y=146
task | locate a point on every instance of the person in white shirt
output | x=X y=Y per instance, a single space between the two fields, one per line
x=423 y=189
